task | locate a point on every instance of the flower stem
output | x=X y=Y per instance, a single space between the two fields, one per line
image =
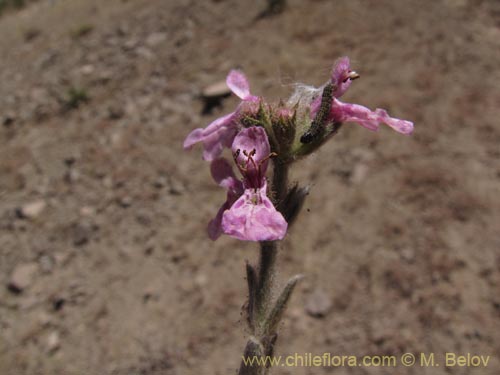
x=280 y=183
x=262 y=342
x=267 y=264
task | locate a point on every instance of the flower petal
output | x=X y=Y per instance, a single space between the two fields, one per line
x=252 y=139
x=194 y=137
x=214 y=227
x=346 y=112
x=217 y=135
x=238 y=84
x=340 y=73
x=401 y=126
x=253 y=218
x=222 y=173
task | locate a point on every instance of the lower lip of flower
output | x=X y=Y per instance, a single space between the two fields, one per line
x=255 y=198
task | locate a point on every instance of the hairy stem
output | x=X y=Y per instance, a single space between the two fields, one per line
x=267 y=264
x=261 y=290
x=280 y=183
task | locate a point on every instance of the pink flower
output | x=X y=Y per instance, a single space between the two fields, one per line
x=252 y=217
x=342 y=76
x=221 y=132
x=223 y=174
x=341 y=79
x=345 y=112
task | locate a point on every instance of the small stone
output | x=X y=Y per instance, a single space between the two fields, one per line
x=216 y=90
x=22 y=277
x=201 y=280
x=81 y=233
x=32 y=210
x=318 y=304
x=175 y=186
x=53 y=342
x=107 y=182
x=29 y=302
x=44 y=319
x=116 y=138
x=69 y=161
x=72 y=176
x=58 y=303
x=105 y=76
x=125 y=201
x=359 y=174
x=8 y=119
x=160 y=182
x=408 y=254
x=87 y=211
x=144 y=218
x=155 y=39
x=130 y=44
x=145 y=53
x=115 y=112
x=31 y=34
x=87 y=69
x=47 y=263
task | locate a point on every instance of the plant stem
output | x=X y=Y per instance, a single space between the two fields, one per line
x=267 y=264
x=280 y=183
x=262 y=342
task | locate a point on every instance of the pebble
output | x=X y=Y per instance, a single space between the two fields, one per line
x=125 y=201
x=32 y=210
x=130 y=44
x=82 y=233
x=22 y=277
x=44 y=319
x=160 y=182
x=155 y=39
x=216 y=90
x=145 y=53
x=87 y=211
x=201 y=280
x=115 y=112
x=61 y=258
x=359 y=173
x=408 y=254
x=8 y=119
x=47 y=263
x=72 y=176
x=318 y=304
x=87 y=69
x=175 y=186
x=53 y=342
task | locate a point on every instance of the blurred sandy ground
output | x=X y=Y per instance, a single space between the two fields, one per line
x=103 y=216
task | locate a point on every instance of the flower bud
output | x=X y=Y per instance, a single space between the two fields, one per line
x=283 y=125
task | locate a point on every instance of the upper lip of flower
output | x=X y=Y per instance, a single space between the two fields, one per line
x=221 y=132
x=342 y=77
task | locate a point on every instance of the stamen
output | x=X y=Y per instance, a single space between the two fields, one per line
x=242 y=166
x=271 y=155
x=255 y=176
x=352 y=75
x=250 y=159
